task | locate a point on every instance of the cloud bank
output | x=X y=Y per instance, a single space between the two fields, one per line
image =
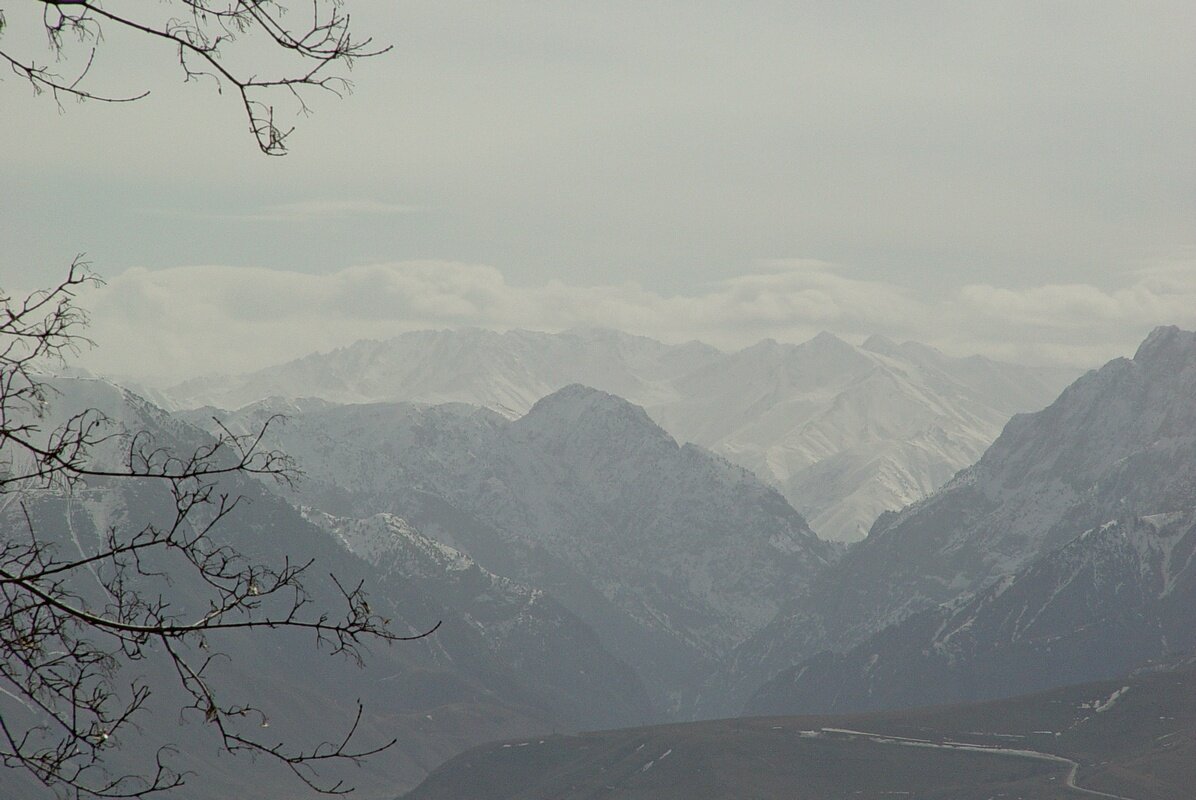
x=170 y=324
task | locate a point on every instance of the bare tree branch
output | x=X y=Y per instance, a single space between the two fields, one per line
x=205 y=36
x=62 y=647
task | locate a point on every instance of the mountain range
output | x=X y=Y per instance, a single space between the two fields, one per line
x=843 y=431
x=591 y=569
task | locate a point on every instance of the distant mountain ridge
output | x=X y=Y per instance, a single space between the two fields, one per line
x=844 y=431
x=847 y=432
x=593 y=571
x=507 y=372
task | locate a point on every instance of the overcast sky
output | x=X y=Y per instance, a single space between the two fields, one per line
x=1016 y=180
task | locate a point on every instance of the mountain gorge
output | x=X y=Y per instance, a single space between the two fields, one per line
x=1082 y=503
x=1049 y=477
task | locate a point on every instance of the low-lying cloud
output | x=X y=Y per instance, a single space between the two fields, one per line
x=170 y=324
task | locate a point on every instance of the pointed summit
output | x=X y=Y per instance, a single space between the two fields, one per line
x=876 y=343
x=1165 y=343
x=827 y=345
x=828 y=340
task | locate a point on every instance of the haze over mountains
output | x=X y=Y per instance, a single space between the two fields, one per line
x=592 y=570
x=843 y=431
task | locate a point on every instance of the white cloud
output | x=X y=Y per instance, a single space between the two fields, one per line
x=174 y=323
x=1165 y=293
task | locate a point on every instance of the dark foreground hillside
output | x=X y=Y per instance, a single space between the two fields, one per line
x=1133 y=738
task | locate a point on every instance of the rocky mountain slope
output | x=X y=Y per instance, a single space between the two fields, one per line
x=1114 y=597
x=1119 y=444
x=844 y=432
x=671 y=553
x=527 y=631
x=506 y=660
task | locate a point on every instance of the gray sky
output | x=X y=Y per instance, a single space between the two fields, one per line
x=1016 y=179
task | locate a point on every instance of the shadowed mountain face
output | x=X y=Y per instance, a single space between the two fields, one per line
x=671 y=553
x=844 y=432
x=529 y=632
x=1113 y=597
x=1131 y=738
x=507 y=660
x=1119 y=444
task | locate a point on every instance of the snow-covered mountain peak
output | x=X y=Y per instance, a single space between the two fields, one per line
x=1136 y=409
x=824 y=357
x=598 y=333
x=277 y=404
x=765 y=348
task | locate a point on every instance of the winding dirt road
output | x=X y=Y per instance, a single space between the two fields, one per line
x=1073 y=766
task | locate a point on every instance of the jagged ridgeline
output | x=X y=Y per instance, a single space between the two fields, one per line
x=844 y=432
